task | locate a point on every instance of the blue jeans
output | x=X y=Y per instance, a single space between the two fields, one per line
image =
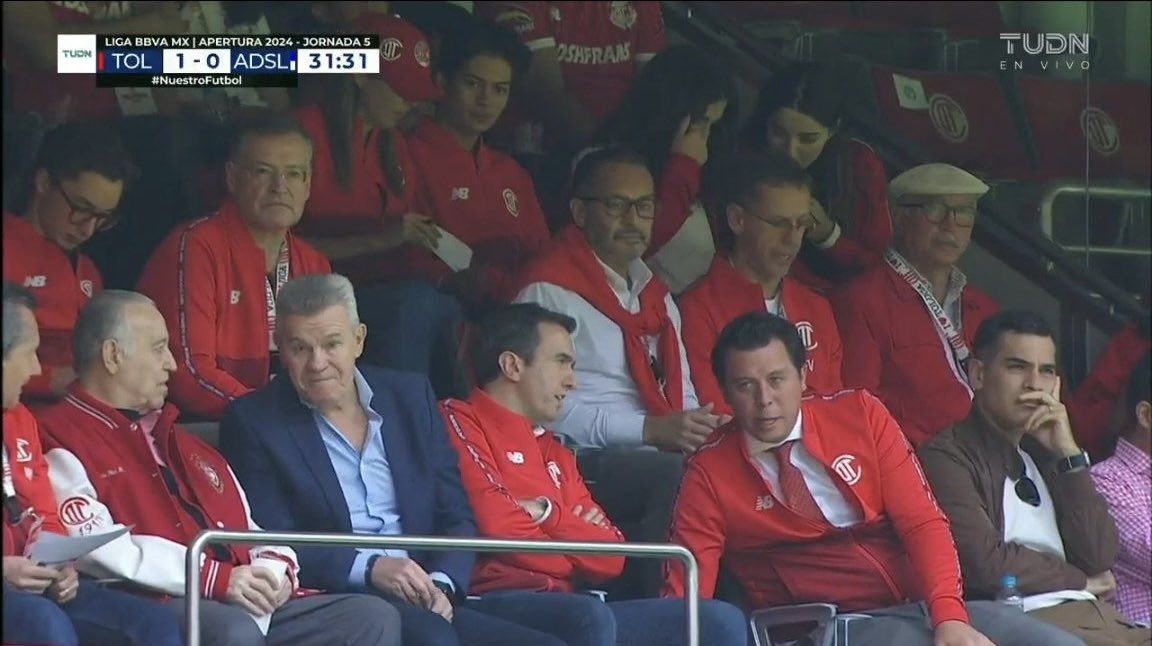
x=97 y=615
x=583 y=620
x=414 y=327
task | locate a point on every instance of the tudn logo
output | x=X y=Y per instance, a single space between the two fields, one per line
x=74 y=511
x=1047 y=44
x=391 y=49
x=1100 y=130
x=948 y=118
x=845 y=467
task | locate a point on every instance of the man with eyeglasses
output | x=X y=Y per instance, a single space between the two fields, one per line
x=763 y=201
x=80 y=174
x=1017 y=490
x=215 y=279
x=907 y=325
x=635 y=388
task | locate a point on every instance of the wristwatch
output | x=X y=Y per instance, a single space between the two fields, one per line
x=1073 y=462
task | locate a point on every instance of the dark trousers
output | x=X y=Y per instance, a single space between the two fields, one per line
x=96 y=616
x=636 y=488
x=471 y=626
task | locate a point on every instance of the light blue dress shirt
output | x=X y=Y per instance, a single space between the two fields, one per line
x=372 y=509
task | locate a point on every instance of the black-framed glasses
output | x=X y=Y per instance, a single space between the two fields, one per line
x=81 y=214
x=617 y=207
x=937 y=212
x=1026 y=490
x=804 y=224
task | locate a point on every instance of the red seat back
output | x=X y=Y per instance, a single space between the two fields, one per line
x=1108 y=122
x=966 y=123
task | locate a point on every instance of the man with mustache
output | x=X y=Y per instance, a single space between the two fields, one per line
x=215 y=278
x=635 y=389
x=1018 y=492
x=476 y=193
x=907 y=325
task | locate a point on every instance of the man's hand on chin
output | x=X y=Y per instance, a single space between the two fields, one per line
x=958 y=633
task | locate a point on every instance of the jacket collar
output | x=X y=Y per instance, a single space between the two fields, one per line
x=978 y=434
x=740 y=294
x=499 y=418
x=446 y=144
x=108 y=416
x=1132 y=458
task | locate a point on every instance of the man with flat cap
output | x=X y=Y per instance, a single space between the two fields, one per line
x=907 y=326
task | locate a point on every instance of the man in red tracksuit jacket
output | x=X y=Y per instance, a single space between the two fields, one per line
x=80 y=174
x=524 y=484
x=908 y=324
x=50 y=604
x=116 y=457
x=822 y=500
x=215 y=279
x=765 y=202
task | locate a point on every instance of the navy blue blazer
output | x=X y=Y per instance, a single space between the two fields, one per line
x=273 y=445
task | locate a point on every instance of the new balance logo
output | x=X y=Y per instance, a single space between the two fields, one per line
x=764 y=503
x=516 y=457
x=36 y=281
x=460 y=193
x=235 y=297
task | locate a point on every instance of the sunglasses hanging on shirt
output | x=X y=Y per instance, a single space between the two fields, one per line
x=1026 y=489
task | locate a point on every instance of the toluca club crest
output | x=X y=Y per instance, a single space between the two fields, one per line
x=209 y=472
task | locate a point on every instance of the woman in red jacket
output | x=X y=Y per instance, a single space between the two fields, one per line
x=799 y=113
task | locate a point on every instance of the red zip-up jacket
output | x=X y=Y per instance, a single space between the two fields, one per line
x=891 y=348
x=103 y=473
x=900 y=552
x=724 y=294
x=1090 y=406
x=208 y=280
x=29 y=480
x=503 y=457
x=61 y=289
x=485 y=198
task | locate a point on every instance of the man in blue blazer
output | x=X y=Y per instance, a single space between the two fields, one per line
x=328 y=447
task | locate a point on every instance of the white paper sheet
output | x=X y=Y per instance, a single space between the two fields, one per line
x=55 y=549
x=686 y=257
x=453 y=251
x=910 y=93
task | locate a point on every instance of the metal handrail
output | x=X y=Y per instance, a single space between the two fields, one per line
x=1054 y=190
x=438 y=544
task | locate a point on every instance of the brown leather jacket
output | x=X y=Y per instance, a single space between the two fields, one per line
x=967 y=465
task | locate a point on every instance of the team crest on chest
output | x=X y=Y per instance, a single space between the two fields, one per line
x=847 y=467
x=511 y=202
x=209 y=473
x=622 y=14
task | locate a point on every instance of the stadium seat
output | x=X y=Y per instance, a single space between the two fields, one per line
x=958 y=118
x=1106 y=121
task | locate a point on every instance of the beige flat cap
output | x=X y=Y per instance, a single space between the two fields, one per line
x=936 y=179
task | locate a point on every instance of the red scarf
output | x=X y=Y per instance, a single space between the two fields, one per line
x=571 y=264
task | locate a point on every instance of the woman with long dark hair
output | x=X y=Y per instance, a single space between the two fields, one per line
x=675 y=116
x=800 y=112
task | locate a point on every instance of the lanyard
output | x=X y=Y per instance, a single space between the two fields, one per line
x=270 y=292
x=958 y=352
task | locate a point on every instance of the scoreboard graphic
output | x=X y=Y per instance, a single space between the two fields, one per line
x=217 y=61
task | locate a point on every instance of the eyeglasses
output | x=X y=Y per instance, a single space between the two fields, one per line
x=81 y=214
x=1026 y=490
x=263 y=173
x=618 y=207
x=936 y=212
x=783 y=223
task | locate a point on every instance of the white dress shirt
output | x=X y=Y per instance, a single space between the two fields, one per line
x=1036 y=529
x=831 y=502
x=605 y=409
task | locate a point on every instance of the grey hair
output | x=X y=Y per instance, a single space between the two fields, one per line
x=312 y=294
x=100 y=320
x=15 y=299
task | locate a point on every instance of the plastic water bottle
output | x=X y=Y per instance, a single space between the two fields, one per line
x=1009 y=595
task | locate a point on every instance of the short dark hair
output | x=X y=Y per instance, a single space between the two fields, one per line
x=511 y=328
x=753 y=331
x=15 y=298
x=737 y=177
x=1139 y=383
x=71 y=149
x=988 y=335
x=590 y=161
x=266 y=123
x=482 y=38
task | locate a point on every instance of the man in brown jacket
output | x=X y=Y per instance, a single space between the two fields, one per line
x=1017 y=490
